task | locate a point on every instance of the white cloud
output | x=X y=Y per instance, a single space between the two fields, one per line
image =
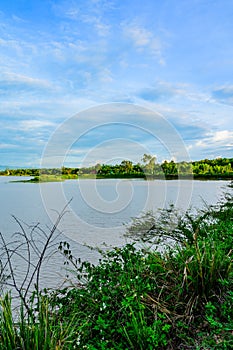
x=101 y=28
x=144 y=39
x=72 y=13
x=14 y=44
x=66 y=10
x=225 y=89
x=215 y=139
x=106 y=76
x=89 y=15
x=225 y=136
x=18 y=19
x=140 y=36
x=7 y=146
x=10 y=77
x=17 y=49
x=201 y=143
x=223 y=94
x=34 y=124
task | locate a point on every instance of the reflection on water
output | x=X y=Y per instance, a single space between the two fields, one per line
x=98 y=210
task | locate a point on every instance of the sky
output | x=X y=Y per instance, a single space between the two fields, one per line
x=99 y=81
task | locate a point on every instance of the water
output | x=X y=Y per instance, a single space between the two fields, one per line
x=98 y=210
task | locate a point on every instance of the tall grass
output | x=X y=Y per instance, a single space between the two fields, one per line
x=40 y=332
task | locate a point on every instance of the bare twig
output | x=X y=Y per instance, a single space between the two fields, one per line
x=36 y=242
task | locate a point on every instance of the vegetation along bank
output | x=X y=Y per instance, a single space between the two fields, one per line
x=219 y=168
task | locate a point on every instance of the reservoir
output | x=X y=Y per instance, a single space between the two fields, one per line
x=97 y=213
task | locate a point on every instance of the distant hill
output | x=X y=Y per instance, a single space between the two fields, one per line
x=3 y=167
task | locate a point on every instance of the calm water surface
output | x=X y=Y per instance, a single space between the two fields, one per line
x=98 y=209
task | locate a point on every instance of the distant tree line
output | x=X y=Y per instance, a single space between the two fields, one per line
x=206 y=168
x=149 y=168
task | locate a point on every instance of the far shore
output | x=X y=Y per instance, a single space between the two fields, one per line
x=149 y=169
x=62 y=178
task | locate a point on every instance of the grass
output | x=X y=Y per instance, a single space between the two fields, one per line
x=180 y=298
x=44 y=333
x=48 y=178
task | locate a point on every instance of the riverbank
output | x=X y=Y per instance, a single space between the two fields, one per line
x=61 y=178
x=140 y=298
x=206 y=169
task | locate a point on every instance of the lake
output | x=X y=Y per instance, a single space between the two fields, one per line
x=98 y=211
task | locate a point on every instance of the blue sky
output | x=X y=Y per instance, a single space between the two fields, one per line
x=59 y=59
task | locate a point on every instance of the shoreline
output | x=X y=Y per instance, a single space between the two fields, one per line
x=51 y=178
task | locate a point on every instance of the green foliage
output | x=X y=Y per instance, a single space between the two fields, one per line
x=203 y=169
x=125 y=169
x=219 y=322
x=112 y=301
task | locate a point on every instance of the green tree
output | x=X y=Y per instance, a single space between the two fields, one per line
x=149 y=161
x=126 y=166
